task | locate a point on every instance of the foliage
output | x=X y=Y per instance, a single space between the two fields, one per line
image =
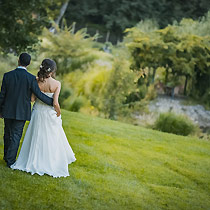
x=7 y=63
x=93 y=82
x=139 y=93
x=147 y=25
x=70 y=50
x=22 y=22
x=172 y=123
x=151 y=93
x=198 y=28
x=166 y=47
x=89 y=84
x=65 y=93
x=74 y=103
x=105 y=85
x=115 y=15
x=121 y=84
x=119 y=166
x=178 y=53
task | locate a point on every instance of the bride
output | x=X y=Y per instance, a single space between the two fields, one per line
x=45 y=148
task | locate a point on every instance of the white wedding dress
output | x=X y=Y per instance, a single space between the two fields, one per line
x=45 y=148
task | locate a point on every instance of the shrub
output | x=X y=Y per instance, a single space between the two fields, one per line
x=172 y=123
x=64 y=94
x=70 y=50
x=119 y=85
x=75 y=103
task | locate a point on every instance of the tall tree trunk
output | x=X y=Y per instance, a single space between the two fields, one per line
x=148 y=76
x=107 y=36
x=185 y=85
x=97 y=32
x=62 y=12
x=73 y=27
x=166 y=77
x=153 y=75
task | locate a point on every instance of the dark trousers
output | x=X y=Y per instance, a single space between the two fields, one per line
x=13 y=130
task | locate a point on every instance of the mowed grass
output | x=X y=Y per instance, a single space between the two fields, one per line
x=119 y=166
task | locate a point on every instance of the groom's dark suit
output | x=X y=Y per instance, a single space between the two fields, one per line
x=15 y=107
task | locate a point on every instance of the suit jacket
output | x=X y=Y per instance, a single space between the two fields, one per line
x=15 y=97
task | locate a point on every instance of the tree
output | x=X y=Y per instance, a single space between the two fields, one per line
x=182 y=54
x=22 y=22
x=114 y=16
x=71 y=51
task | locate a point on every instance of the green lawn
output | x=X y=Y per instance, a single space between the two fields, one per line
x=119 y=166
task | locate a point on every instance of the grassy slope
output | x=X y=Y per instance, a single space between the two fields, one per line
x=118 y=166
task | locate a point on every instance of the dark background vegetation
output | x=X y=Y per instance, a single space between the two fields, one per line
x=109 y=18
x=114 y=16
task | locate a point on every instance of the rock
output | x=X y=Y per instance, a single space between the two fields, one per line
x=196 y=113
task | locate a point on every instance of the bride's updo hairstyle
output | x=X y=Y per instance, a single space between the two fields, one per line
x=46 y=68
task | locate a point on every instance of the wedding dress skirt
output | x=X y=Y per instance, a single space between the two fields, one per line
x=45 y=148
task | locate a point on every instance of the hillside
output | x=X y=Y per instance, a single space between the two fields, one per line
x=119 y=166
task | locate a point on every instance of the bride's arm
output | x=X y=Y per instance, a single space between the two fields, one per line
x=55 y=100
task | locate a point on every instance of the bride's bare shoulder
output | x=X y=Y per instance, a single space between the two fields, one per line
x=55 y=83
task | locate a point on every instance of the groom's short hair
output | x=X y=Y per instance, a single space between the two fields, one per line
x=24 y=59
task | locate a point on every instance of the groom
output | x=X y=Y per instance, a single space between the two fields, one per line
x=15 y=105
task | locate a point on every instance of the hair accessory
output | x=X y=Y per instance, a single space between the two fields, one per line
x=41 y=66
x=49 y=69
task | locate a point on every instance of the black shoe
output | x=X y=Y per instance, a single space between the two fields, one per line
x=9 y=164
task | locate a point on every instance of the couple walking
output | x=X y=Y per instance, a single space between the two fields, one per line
x=45 y=148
